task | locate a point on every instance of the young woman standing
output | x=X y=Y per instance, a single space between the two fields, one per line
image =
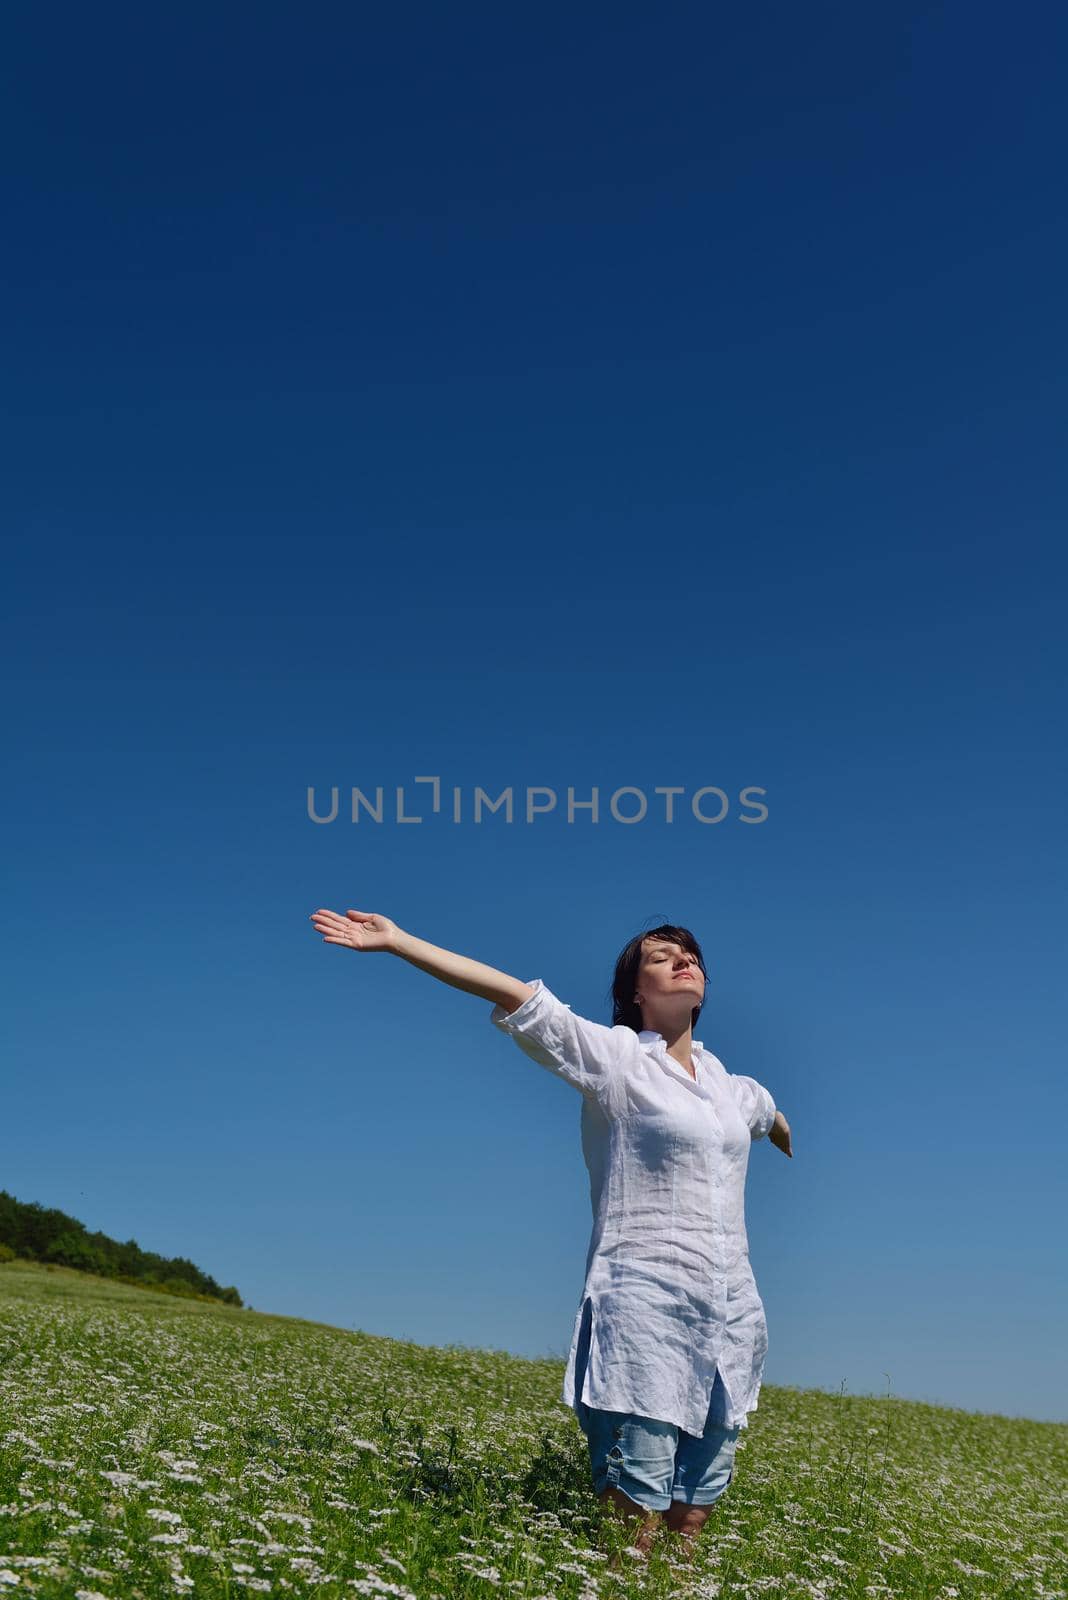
x=668 y=1344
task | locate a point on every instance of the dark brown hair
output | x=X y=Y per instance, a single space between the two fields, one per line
x=624 y=1009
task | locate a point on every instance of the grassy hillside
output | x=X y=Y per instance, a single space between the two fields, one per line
x=151 y=1446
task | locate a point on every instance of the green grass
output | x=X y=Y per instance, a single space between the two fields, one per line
x=151 y=1446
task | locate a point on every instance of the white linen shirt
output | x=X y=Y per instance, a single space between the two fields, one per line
x=671 y=1290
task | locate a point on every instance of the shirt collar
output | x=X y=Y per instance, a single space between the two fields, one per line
x=650 y=1036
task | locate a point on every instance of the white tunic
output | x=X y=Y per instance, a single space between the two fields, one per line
x=668 y=1277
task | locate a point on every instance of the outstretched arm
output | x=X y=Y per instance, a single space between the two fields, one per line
x=586 y=1054
x=369 y=931
x=779 y=1134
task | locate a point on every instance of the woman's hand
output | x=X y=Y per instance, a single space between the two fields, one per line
x=367 y=930
x=360 y=930
x=779 y=1134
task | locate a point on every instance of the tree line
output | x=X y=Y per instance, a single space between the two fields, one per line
x=34 y=1232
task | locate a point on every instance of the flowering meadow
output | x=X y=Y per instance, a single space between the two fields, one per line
x=152 y=1446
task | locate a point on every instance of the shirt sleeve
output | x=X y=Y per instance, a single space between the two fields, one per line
x=754 y=1102
x=585 y=1054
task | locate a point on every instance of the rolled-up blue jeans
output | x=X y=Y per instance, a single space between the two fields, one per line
x=654 y=1462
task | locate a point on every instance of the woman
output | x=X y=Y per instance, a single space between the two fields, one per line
x=668 y=1346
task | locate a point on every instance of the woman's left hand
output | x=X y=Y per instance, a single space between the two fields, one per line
x=779 y=1134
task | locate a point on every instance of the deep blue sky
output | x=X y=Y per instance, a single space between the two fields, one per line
x=593 y=398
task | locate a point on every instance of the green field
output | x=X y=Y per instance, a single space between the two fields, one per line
x=154 y=1446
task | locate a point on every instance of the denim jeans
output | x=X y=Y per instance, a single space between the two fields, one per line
x=654 y=1462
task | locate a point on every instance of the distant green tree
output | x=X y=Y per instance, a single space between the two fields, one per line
x=32 y=1232
x=72 y=1250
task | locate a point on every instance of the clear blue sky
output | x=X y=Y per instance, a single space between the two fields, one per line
x=594 y=398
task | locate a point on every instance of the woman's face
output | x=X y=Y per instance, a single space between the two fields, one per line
x=670 y=982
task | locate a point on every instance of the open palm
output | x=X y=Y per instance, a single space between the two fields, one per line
x=360 y=930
